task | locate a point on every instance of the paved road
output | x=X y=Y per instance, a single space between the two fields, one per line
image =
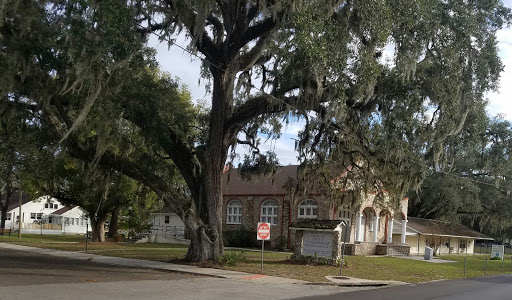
x=481 y=288
x=26 y=275
x=19 y=268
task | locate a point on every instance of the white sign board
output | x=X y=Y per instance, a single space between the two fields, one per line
x=498 y=251
x=317 y=243
x=263 y=231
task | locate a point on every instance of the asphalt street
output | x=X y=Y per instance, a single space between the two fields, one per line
x=19 y=268
x=26 y=275
x=481 y=288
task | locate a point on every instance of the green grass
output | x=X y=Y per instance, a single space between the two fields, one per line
x=278 y=264
x=37 y=238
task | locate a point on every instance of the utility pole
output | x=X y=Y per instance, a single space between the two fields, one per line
x=19 y=214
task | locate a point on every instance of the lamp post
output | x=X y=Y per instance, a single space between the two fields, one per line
x=342 y=228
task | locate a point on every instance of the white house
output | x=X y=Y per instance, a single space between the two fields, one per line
x=45 y=212
x=167 y=225
x=444 y=237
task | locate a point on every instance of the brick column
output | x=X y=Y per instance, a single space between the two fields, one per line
x=359 y=217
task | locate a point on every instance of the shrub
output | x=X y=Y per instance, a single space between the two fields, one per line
x=496 y=258
x=241 y=237
x=232 y=258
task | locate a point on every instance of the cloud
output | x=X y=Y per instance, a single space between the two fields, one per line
x=181 y=64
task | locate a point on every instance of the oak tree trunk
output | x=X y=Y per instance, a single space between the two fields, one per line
x=114 y=222
x=3 y=212
x=98 y=229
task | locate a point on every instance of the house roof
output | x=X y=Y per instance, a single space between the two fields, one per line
x=14 y=200
x=62 y=210
x=234 y=184
x=164 y=210
x=434 y=227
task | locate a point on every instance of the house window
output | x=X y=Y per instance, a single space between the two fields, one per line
x=234 y=214
x=308 y=209
x=50 y=220
x=344 y=214
x=51 y=205
x=8 y=216
x=167 y=219
x=32 y=216
x=462 y=244
x=269 y=212
x=39 y=216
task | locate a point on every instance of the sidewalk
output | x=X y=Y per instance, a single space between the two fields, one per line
x=218 y=273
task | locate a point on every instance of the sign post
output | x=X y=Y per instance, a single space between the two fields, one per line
x=263 y=234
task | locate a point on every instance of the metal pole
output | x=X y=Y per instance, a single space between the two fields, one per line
x=86 y=235
x=343 y=251
x=262 y=247
x=464 y=266
x=19 y=217
x=485 y=266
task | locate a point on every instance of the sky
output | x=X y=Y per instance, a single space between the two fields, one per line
x=181 y=64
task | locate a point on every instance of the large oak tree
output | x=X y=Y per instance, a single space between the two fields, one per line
x=266 y=62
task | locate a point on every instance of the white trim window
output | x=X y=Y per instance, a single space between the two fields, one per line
x=36 y=216
x=234 y=212
x=308 y=209
x=167 y=219
x=344 y=214
x=269 y=212
x=8 y=216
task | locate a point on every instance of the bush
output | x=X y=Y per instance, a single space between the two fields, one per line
x=281 y=243
x=232 y=258
x=241 y=237
x=496 y=258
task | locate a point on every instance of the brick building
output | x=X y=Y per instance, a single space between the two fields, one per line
x=266 y=199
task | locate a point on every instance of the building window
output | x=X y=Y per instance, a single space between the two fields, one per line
x=269 y=212
x=234 y=214
x=167 y=219
x=344 y=214
x=462 y=244
x=8 y=216
x=32 y=216
x=308 y=209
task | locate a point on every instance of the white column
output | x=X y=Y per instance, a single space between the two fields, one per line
x=358 y=227
x=390 y=231
x=404 y=230
x=375 y=228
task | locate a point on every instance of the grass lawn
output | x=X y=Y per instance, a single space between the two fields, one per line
x=37 y=238
x=278 y=264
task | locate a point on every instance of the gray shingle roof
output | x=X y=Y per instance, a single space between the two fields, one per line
x=234 y=184
x=434 y=227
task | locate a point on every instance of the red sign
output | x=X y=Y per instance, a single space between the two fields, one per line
x=263 y=231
